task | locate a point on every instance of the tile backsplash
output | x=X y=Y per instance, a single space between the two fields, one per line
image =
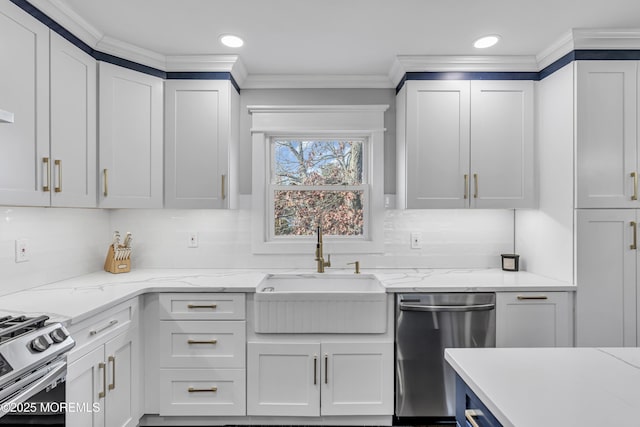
x=68 y=242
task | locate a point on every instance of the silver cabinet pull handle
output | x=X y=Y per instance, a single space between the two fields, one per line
x=469 y=414
x=112 y=360
x=326 y=368
x=466 y=186
x=203 y=390
x=224 y=188
x=105 y=174
x=634 y=244
x=315 y=369
x=211 y=306
x=45 y=160
x=104 y=328
x=532 y=297
x=58 y=188
x=202 y=342
x=475 y=181
x=634 y=175
x=103 y=393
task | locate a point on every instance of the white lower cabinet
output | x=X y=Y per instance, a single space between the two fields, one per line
x=202 y=359
x=319 y=378
x=533 y=319
x=105 y=379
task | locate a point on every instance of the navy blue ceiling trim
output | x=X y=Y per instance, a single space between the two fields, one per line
x=480 y=75
x=555 y=66
x=116 y=60
x=36 y=13
x=607 y=55
x=203 y=75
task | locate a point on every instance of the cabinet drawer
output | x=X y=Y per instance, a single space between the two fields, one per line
x=202 y=344
x=202 y=392
x=202 y=306
x=103 y=325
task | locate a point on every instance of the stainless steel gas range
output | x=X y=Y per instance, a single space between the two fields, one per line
x=32 y=369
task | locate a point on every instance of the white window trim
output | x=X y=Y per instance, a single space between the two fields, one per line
x=357 y=121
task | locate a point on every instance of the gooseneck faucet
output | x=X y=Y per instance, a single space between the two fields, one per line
x=319 y=256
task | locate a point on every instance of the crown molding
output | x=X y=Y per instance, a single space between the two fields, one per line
x=131 y=52
x=606 y=38
x=556 y=50
x=316 y=81
x=204 y=63
x=70 y=20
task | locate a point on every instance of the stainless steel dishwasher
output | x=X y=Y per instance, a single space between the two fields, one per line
x=426 y=324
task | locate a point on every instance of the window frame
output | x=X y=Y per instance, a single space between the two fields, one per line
x=365 y=123
x=365 y=186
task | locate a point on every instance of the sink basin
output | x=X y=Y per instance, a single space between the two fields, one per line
x=320 y=303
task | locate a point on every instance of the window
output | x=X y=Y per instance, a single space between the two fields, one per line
x=317 y=165
x=318 y=182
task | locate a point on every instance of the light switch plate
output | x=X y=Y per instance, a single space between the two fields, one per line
x=193 y=240
x=22 y=250
x=416 y=240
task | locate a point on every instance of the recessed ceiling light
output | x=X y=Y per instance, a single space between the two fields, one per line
x=230 y=40
x=486 y=41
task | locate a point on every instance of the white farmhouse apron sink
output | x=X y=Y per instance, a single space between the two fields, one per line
x=320 y=303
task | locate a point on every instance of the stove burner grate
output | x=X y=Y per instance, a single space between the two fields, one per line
x=14 y=326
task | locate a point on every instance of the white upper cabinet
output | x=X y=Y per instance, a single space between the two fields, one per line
x=606 y=134
x=436 y=159
x=130 y=138
x=201 y=139
x=24 y=92
x=502 y=155
x=465 y=144
x=73 y=125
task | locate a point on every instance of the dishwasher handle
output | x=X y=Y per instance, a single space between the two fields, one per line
x=455 y=308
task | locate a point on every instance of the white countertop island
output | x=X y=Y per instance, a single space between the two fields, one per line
x=554 y=386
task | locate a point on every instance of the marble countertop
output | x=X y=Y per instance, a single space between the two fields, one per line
x=78 y=298
x=553 y=386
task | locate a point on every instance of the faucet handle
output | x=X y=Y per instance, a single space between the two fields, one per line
x=357 y=264
x=327 y=263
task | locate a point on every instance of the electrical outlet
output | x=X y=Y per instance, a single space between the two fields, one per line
x=416 y=240
x=193 y=240
x=22 y=250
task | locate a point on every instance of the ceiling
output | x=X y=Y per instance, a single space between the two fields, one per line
x=345 y=37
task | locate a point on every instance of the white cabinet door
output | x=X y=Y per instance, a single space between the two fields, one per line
x=606 y=133
x=122 y=381
x=85 y=384
x=606 y=300
x=502 y=155
x=130 y=138
x=533 y=319
x=466 y=144
x=198 y=137
x=357 y=378
x=24 y=91
x=283 y=379
x=73 y=125
x=437 y=144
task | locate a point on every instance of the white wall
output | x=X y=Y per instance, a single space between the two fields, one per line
x=62 y=243
x=544 y=237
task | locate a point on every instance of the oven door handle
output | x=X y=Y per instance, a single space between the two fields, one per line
x=432 y=308
x=55 y=371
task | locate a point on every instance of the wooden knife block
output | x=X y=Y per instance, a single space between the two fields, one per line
x=112 y=265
